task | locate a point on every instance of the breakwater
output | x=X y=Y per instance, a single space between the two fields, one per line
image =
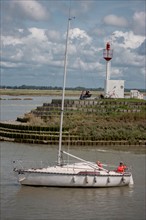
x=86 y=122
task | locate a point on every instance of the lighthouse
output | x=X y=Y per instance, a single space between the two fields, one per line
x=107 y=54
x=112 y=88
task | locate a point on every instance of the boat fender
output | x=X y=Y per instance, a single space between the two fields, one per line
x=95 y=180
x=108 y=180
x=86 y=179
x=123 y=179
x=74 y=179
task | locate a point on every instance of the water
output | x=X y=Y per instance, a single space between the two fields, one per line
x=43 y=203
x=11 y=107
x=50 y=203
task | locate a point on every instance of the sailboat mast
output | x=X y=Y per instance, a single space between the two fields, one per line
x=63 y=93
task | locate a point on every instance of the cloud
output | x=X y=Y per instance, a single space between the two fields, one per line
x=142 y=48
x=85 y=6
x=53 y=35
x=35 y=49
x=117 y=72
x=115 y=21
x=126 y=39
x=87 y=66
x=33 y=41
x=139 y=23
x=10 y=40
x=31 y=9
x=10 y=65
x=128 y=59
x=37 y=34
x=80 y=35
x=128 y=56
x=81 y=8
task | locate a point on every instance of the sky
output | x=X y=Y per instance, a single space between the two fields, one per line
x=33 y=36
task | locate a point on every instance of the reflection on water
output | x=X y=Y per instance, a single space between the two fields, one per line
x=64 y=203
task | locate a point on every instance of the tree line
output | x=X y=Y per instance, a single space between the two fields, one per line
x=49 y=88
x=78 y=88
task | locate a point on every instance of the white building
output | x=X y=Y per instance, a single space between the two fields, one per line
x=136 y=94
x=114 y=88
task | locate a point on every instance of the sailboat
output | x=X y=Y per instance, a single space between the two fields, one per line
x=79 y=174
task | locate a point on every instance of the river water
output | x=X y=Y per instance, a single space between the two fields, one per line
x=50 y=203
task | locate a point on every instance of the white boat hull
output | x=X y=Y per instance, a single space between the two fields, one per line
x=74 y=181
x=80 y=179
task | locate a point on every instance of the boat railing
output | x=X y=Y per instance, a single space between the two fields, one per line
x=25 y=164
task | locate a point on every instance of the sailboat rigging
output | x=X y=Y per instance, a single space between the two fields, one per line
x=79 y=174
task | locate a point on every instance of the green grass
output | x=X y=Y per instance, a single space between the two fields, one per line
x=93 y=126
x=109 y=125
x=33 y=92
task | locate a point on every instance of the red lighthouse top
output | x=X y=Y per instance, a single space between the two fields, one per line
x=108 y=46
x=108 y=52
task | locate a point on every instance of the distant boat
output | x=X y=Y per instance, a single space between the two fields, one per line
x=79 y=174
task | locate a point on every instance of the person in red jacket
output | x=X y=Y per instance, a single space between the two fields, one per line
x=125 y=167
x=121 y=168
x=99 y=164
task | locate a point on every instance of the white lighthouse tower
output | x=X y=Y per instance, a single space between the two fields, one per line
x=112 y=88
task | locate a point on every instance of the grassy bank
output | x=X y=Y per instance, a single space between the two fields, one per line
x=85 y=121
x=94 y=121
x=32 y=92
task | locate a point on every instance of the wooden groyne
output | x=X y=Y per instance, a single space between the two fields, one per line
x=42 y=135
x=89 y=106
